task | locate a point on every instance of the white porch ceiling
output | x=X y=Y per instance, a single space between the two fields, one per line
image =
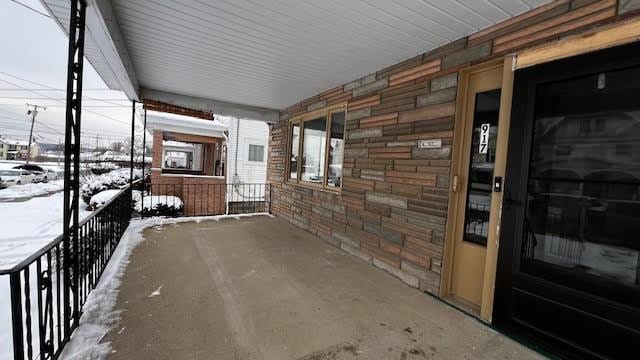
x=274 y=53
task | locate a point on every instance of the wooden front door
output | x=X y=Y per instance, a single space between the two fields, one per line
x=473 y=184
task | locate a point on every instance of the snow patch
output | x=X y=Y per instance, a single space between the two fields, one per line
x=102 y=198
x=152 y=202
x=155 y=293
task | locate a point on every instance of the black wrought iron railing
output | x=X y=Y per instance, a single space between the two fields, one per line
x=204 y=199
x=50 y=287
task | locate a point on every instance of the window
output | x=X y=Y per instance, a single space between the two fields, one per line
x=336 y=149
x=293 y=151
x=317 y=148
x=313 y=148
x=182 y=156
x=256 y=153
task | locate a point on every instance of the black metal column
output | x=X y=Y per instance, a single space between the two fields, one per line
x=75 y=62
x=144 y=154
x=133 y=126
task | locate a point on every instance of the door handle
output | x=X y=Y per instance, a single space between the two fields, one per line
x=454 y=183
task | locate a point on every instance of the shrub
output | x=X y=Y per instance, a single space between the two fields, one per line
x=115 y=179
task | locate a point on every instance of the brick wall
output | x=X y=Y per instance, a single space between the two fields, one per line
x=393 y=206
x=200 y=195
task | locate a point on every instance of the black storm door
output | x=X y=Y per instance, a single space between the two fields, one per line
x=569 y=260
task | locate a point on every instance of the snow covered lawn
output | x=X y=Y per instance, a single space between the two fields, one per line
x=27 y=226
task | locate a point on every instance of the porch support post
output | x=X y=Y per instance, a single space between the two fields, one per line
x=131 y=162
x=75 y=62
x=133 y=125
x=144 y=148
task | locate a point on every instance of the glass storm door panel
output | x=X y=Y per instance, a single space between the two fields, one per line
x=482 y=159
x=569 y=256
x=582 y=222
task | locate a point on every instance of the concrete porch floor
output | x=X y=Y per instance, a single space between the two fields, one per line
x=260 y=288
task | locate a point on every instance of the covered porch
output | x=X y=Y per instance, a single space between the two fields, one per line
x=260 y=288
x=371 y=107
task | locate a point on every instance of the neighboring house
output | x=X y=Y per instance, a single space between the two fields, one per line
x=247 y=150
x=12 y=149
x=246 y=159
x=202 y=155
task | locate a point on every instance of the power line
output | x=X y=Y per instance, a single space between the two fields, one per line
x=83 y=106
x=45 y=98
x=89 y=111
x=30 y=8
x=45 y=86
x=56 y=89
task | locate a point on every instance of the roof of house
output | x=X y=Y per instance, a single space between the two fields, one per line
x=9 y=141
x=185 y=124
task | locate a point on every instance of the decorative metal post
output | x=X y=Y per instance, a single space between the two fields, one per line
x=75 y=62
x=133 y=126
x=144 y=148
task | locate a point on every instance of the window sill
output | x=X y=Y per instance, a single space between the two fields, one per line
x=311 y=186
x=192 y=176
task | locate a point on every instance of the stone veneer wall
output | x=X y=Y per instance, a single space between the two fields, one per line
x=392 y=210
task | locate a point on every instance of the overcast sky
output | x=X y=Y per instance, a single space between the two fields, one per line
x=34 y=48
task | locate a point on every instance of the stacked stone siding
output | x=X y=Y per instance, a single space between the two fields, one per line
x=392 y=209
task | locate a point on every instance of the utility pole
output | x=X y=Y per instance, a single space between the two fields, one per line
x=33 y=112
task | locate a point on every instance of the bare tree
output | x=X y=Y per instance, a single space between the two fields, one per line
x=117 y=146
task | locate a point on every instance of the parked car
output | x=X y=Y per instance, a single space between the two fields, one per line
x=37 y=171
x=50 y=175
x=15 y=177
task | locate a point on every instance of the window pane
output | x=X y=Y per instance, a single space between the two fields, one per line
x=182 y=155
x=295 y=142
x=256 y=153
x=482 y=159
x=583 y=208
x=313 y=148
x=336 y=149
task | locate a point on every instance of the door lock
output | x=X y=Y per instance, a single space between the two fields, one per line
x=497 y=184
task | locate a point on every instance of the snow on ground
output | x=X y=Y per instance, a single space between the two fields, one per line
x=99 y=313
x=102 y=197
x=9 y=164
x=31 y=190
x=152 y=202
x=27 y=226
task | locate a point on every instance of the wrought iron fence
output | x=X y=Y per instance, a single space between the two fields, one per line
x=50 y=287
x=204 y=199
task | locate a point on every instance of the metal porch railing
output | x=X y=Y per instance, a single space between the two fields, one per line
x=48 y=291
x=205 y=199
